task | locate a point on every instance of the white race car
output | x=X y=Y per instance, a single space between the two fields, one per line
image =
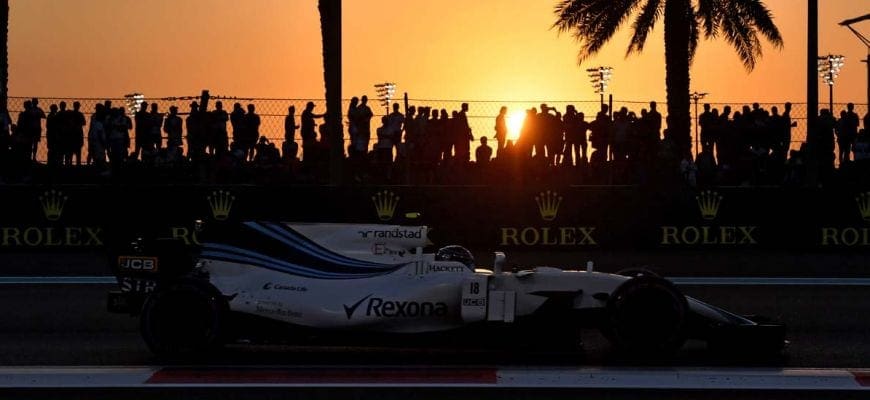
x=300 y=280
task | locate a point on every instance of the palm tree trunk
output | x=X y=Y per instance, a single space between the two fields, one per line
x=330 y=30
x=4 y=58
x=677 y=31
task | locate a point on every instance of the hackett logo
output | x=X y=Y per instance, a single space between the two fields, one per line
x=548 y=203
x=709 y=203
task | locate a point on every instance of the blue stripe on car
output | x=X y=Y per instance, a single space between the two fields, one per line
x=301 y=243
x=228 y=253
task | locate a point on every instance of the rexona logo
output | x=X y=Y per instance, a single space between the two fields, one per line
x=709 y=203
x=385 y=204
x=379 y=307
x=221 y=203
x=548 y=203
x=851 y=236
x=52 y=203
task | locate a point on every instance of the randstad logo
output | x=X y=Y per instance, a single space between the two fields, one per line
x=385 y=204
x=708 y=203
x=548 y=204
x=221 y=203
x=52 y=202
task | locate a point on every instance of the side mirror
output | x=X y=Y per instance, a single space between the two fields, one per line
x=498 y=263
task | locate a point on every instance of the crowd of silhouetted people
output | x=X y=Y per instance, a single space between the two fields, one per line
x=426 y=145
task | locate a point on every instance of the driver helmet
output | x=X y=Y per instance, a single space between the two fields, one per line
x=455 y=253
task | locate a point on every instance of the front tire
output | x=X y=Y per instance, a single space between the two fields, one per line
x=646 y=316
x=183 y=320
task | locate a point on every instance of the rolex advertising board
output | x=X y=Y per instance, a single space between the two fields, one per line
x=510 y=218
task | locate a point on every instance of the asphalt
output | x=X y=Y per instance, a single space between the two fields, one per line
x=68 y=325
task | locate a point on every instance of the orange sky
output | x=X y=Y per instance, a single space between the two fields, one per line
x=446 y=49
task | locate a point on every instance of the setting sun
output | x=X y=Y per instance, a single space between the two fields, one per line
x=515 y=124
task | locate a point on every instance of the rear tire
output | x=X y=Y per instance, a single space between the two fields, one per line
x=184 y=320
x=646 y=316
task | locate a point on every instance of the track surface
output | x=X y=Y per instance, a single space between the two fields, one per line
x=66 y=324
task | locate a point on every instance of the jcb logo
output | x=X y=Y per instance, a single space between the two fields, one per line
x=145 y=264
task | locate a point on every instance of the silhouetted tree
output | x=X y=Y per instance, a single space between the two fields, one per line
x=4 y=57
x=594 y=22
x=330 y=30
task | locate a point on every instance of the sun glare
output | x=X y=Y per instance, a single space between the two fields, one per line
x=515 y=123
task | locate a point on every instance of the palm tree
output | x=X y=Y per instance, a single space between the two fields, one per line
x=593 y=23
x=4 y=58
x=330 y=30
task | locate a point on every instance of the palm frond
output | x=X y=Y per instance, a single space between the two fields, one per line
x=592 y=22
x=760 y=17
x=742 y=37
x=709 y=16
x=646 y=20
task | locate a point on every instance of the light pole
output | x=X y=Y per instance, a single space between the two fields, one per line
x=695 y=97
x=829 y=69
x=385 y=92
x=599 y=77
x=848 y=24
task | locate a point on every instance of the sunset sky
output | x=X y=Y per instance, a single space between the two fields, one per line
x=447 y=49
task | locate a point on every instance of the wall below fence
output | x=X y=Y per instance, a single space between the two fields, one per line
x=482 y=218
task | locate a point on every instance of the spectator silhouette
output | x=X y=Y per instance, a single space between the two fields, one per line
x=155 y=126
x=172 y=126
x=218 y=134
x=483 y=153
x=251 y=131
x=352 y=127
x=395 y=125
x=53 y=140
x=77 y=122
x=847 y=132
x=289 y=148
x=35 y=127
x=501 y=130
x=309 y=136
x=363 y=124
x=237 y=121
x=196 y=134
x=463 y=134
x=143 y=129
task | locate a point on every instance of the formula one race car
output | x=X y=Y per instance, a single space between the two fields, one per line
x=251 y=279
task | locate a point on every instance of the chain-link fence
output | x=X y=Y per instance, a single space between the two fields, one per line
x=481 y=114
